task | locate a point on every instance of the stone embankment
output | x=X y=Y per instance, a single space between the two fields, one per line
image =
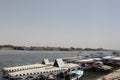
x=112 y=76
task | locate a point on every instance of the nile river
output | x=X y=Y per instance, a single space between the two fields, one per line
x=15 y=57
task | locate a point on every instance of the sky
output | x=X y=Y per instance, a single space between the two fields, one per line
x=60 y=23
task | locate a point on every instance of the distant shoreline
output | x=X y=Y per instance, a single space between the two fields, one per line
x=36 y=48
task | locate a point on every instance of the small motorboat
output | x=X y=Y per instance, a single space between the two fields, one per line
x=76 y=74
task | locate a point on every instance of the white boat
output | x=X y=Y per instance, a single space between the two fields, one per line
x=44 y=72
x=76 y=74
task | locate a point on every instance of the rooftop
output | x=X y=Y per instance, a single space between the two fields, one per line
x=24 y=67
x=43 y=70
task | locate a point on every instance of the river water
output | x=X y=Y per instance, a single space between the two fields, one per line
x=15 y=57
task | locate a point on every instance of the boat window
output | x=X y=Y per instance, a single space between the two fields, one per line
x=23 y=74
x=73 y=69
x=16 y=75
x=68 y=69
x=27 y=73
x=37 y=72
x=20 y=74
x=78 y=68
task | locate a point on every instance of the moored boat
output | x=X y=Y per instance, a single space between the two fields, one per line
x=47 y=72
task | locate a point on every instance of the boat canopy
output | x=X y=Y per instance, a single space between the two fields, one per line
x=24 y=67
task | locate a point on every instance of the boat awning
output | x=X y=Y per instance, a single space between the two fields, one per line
x=36 y=71
x=85 y=60
x=98 y=59
x=108 y=57
x=23 y=67
x=116 y=58
x=43 y=70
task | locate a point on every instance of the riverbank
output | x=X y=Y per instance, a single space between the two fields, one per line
x=17 y=57
x=112 y=76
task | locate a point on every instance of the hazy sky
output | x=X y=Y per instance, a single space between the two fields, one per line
x=65 y=23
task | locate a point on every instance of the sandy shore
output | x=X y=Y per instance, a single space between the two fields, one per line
x=112 y=76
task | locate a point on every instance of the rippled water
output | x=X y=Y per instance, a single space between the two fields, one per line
x=14 y=57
